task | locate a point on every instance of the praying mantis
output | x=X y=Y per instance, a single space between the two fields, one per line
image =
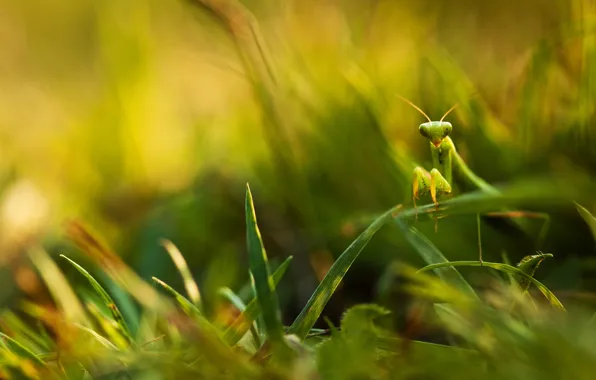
x=447 y=163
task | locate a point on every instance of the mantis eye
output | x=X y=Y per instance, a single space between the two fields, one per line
x=424 y=131
x=446 y=131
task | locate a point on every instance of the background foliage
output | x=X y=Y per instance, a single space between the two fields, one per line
x=145 y=119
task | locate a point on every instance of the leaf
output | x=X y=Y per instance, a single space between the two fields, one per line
x=106 y=343
x=588 y=217
x=14 y=324
x=241 y=324
x=61 y=291
x=259 y=268
x=503 y=268
x=20 y=350
x=189 y=283
x=93 y=246
x=350 y=352
x=533 y=192
x=528 y=265
x=229 y=295
x=360 y=317
x=431 y=255
x=107 y=325
x=314 y=307
x=194 y=313
x=105 y=297
x=425 y=350
x=187 y=307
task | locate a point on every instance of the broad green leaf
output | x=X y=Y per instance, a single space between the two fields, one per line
x=241 y=324
x=431 y=255
x=259 y=269
x=314 y=307
x=20 y=350
x=105 y=297
x=588 y=217
x=503 y=268
x=189 y=283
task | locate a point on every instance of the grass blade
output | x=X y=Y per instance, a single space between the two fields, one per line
x=61 y=291
x=314 y=307
x=105 y=297
x=104 y=342
x=122 y=275
x=229 y=295
x=259 y=268
x=588 y=217
x=431 y=255
x=189 y=283
x=187 y=307
x=16 y=325
x=20 y=350
x=505 y=268
x=113 y=333
x=241 y=324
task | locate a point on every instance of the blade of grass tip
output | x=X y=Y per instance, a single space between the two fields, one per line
x=431 y=255
x=187 y=307
x=503 y=268
x=58 y=286
x=105 y=297
x=20 y=350
x=322 y=294
x=229 y=295
x=189 y=283
x=241 y=324
x=259 y=268
x=588 y=218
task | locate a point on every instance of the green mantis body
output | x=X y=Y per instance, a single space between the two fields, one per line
x=446 y=162
x=449 y=165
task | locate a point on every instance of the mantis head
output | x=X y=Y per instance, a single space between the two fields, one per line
x=434 y=131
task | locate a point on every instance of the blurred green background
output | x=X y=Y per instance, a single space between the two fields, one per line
x=145 y=119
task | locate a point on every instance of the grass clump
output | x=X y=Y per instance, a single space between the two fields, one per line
x=87 y=336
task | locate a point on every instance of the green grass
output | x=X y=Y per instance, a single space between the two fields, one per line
x=297 y=98
x=503 y=322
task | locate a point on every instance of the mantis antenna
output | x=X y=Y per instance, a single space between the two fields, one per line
x=416 y=107
x=450 y=109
